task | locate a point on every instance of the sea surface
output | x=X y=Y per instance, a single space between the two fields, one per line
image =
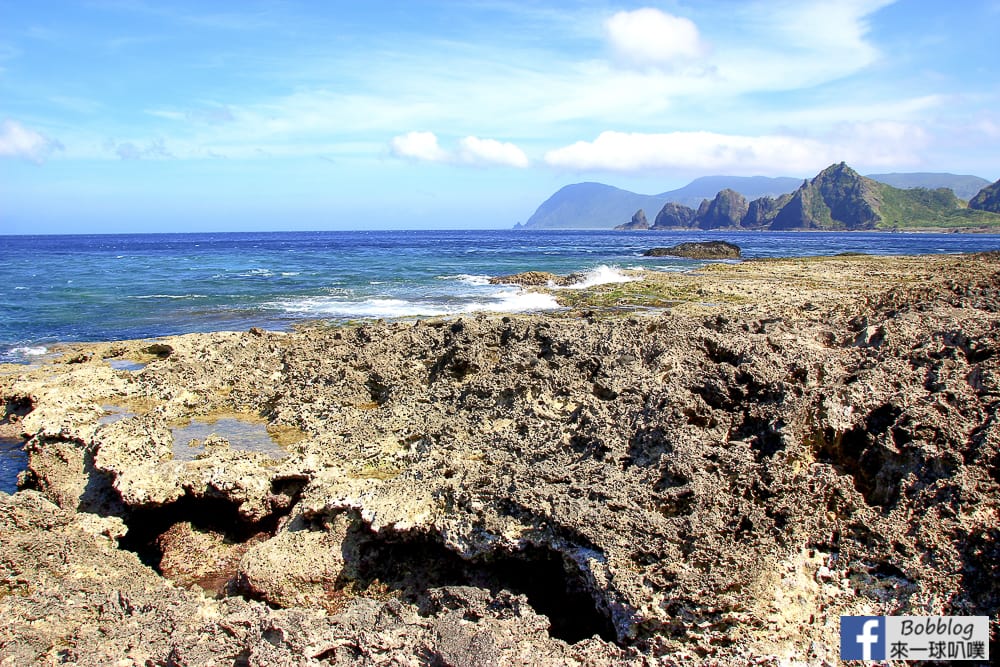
x=112 y=287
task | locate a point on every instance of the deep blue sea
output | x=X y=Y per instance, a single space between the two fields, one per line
x=105 y=287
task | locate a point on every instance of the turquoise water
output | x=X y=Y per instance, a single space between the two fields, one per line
x=106 y=287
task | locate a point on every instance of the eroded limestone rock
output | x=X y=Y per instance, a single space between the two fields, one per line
x=707 y=484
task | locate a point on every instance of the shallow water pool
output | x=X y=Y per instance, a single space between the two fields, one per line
x=13 y=459
x=243 y=435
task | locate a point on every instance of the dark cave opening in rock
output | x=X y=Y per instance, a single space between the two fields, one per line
x=412 y=564
x=209 y=559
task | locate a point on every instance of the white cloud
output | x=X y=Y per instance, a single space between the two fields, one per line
x=988 y=127
x=473 y=150
x=649 y=37
x=424 y=146
x=548 y=93
x=18 y=141
x=126 y=150
x=418 y=146
x=790 y=45
x=880 y=144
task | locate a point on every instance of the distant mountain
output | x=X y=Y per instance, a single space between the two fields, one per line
x=751 y=187
x=964 y=186
x=590 y=206
x=838 y=199
x=600 y=206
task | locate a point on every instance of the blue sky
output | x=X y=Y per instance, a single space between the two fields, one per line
x=136 y=115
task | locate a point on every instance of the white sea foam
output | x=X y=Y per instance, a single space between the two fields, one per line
x=515 y=302
x=256 y=273
x=506 y=301
x=29 y=351
x=602 y=275
x=468 y=279
x=290 y=273
x=170 y=296
x=388 y=308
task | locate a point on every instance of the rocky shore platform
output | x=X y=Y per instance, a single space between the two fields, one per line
x=701 y=468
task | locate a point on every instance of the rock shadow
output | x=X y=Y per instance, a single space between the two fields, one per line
x=186 y=528
x=413 y=563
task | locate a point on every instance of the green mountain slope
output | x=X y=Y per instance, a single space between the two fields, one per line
x=988 y=199
x=963 y=185
x=916 y=207
x=839 y=198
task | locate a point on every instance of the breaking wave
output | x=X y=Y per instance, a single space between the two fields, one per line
x=169 y=296
x=468 y=279
x=602 y=275
x=507 y=301
x=29 y=351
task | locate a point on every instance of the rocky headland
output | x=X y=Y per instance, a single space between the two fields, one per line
x=987 y=199
x=700 y=468
x=837 y=199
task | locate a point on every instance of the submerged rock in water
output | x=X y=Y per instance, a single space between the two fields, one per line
x=705 y=485
x=536 y=279
x=698 y=250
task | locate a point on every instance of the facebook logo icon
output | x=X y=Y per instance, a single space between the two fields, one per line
x=862 y=638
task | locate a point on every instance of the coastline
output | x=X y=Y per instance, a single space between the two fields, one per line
x=124 y=287
x=658 y=449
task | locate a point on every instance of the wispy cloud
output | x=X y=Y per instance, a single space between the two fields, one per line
x=212 y=115
x=644 y=72
x=238 y=21
x=18 y=141
x=424 y=146
x=869 y=144
x=127 y=150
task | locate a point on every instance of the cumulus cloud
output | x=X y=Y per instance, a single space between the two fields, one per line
x=880 y=143
x=423 y=146
x=473 y=150
x=870 y=144
x=418 y=146
x=18 y=141
x=650 y=37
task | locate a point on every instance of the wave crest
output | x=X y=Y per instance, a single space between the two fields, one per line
x=602 y=275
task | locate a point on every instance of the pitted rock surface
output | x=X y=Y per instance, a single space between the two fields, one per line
x=706 y=484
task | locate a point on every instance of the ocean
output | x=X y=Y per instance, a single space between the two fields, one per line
x=112 y=287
